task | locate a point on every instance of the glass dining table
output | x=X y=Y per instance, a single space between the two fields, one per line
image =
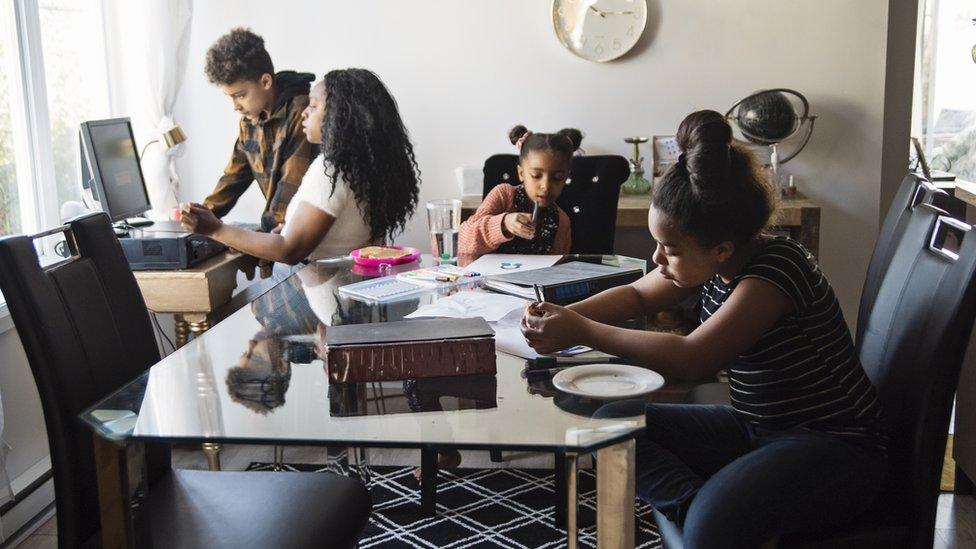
x=258 y=377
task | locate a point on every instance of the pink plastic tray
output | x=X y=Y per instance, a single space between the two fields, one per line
x=371 y=262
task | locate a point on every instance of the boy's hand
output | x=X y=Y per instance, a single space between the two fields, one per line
x=198 y=219
x=518 y=224
x=549 y=328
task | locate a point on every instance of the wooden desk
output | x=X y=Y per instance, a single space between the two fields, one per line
x=798 y=215
x=192 y=294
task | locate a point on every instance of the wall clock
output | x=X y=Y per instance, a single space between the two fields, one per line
x=599 y=30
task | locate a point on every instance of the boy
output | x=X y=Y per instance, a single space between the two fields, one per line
x=271 y=147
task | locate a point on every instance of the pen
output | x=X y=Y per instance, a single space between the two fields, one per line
x=531 y=374
x=540 y=295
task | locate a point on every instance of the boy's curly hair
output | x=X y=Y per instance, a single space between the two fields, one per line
x=238 y=55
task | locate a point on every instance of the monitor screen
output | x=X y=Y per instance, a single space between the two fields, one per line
x=111 y=155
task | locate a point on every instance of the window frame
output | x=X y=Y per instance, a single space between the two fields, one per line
x=37 y=191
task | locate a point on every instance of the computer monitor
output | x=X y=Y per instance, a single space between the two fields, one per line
x=110 y=168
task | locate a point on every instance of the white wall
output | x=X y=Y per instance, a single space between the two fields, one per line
x=24 y=431
x=465 y=72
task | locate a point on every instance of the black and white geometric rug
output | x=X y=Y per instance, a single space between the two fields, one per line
x=509 y=508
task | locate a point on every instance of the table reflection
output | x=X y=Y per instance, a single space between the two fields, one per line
x=432 y=394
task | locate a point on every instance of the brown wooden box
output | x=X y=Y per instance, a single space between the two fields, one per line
x=409 y=350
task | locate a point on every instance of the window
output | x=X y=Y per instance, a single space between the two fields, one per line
x=52 y=78
x=944 y=114
x=74 y=64
x=9 y=205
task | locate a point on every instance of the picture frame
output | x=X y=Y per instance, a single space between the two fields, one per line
x=664 y=153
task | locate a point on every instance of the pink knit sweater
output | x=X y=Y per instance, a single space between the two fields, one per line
x=482 y=232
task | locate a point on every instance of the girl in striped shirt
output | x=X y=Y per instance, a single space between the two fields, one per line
x=801 y=447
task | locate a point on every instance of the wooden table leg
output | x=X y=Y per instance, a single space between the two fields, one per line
x=122 y=491
x=212 y=449
x=572 y=528
x=198 y=326
x=615 y=490
x=182 y=329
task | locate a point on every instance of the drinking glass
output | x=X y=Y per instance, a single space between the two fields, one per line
x=443 y=220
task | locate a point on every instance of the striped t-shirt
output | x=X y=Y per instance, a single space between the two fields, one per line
x=804 y=372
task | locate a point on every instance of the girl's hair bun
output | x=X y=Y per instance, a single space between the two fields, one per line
x=516 y=133
x=575 y=136
x=705 y=138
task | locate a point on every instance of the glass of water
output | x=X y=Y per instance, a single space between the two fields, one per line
x=443 y=219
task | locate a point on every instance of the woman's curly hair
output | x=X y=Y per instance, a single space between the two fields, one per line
x=364 y=142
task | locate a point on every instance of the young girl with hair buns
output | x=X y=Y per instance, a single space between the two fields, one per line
x=802 y=447
x=503 y=222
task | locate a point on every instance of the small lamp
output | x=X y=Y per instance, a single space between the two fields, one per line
x=171 y=138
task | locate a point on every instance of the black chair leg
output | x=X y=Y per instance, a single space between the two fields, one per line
x=559 y=477
x=428 y=482
x=496 y=456
x=964 y=484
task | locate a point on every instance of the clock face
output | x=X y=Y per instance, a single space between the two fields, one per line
x=599 y=30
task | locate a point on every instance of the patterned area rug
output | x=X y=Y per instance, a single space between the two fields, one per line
x=509 y=508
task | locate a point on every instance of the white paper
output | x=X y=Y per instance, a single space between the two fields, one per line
x=509 y=339
x=471 y=304
x=492 y=264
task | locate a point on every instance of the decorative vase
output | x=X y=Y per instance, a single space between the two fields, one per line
x=636 y=183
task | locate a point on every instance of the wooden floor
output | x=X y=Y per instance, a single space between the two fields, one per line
x=955 y=522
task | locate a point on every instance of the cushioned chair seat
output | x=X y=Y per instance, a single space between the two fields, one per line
x=875 y=530
x=256 y=509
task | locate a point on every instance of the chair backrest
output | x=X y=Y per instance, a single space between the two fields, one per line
x=589 y=198
x=86 y=332
x=913 y=191
x=912 y=348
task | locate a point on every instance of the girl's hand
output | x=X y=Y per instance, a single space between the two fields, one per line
x=549 y=328
x=199 y=219
x=519 y=224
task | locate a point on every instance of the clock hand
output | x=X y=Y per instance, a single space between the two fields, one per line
x=618 y=12
x=598 y=12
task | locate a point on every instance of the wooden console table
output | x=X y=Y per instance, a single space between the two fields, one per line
x=190 y=295
x=798 y=215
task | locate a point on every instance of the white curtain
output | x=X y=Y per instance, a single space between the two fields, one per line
x=148 y=46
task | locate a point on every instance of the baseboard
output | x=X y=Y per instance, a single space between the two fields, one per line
x=33 y=495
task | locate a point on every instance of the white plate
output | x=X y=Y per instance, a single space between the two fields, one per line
x=607 y=381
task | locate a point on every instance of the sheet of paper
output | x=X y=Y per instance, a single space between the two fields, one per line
x=509 y=339
x=492 y=264
x=470 y=304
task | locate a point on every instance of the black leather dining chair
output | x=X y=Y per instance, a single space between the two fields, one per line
x=913 y=191
x=86 y=331
x=912 y=347
x=589 y=197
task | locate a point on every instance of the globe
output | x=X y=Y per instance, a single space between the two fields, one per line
x=767 y=117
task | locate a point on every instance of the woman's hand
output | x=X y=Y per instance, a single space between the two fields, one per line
x=199 y=219
x=519 y=224
x=549 y=328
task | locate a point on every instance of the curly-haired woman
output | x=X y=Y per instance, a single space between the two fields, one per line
x=360 y=190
